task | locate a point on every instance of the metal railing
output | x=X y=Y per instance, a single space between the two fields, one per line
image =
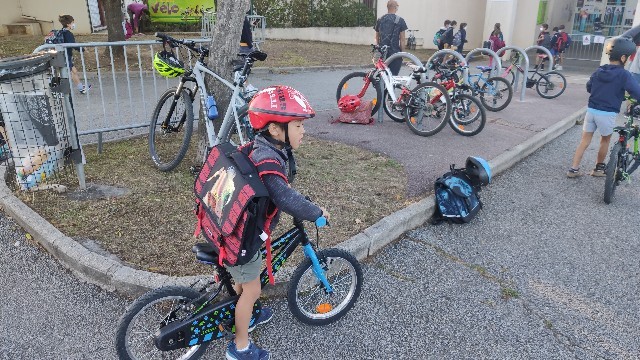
x=579 y=50
x=258 y=27
x=124 y=88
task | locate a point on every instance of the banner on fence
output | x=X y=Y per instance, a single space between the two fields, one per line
x=177 y=11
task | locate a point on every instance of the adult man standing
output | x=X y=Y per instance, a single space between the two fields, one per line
x=390 y=30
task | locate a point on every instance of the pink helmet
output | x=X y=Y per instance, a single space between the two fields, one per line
x=281 y=104
x=348 y=103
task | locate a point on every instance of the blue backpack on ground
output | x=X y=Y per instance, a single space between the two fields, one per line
x=456 y=192
x=54 y=37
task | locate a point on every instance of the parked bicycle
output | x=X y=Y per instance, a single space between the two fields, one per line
x=172 y=120
x=549 y=85
x=495 y=93
x=411 y=39
x=622 y=160
x=397 y=94
x=179 y=322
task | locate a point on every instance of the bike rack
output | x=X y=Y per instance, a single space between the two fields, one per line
x=465 y=72
x=496 y=58
x=525 y=58
x=388 y=61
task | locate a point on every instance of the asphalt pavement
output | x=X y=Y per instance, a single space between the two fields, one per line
x=545 y=271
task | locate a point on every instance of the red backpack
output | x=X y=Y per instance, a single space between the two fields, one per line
x=233 y=207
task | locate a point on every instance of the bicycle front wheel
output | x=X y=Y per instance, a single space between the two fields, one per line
x=244 y=133
x=613 y=172
x=428 y=108
x=353 y=84
x=496 y=94
x=170 y=129
x=136 y=328
x=510 y=75
x=551 y=85
x=307 y=298
x=468 y=116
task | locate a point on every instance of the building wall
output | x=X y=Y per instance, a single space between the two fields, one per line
x=46 y=13
x=427 y=16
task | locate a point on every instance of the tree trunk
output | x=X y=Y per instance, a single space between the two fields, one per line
x=224 y=48
x=113 y=13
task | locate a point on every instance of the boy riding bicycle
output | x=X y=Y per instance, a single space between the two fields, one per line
x=607 y=86
x=277 y=114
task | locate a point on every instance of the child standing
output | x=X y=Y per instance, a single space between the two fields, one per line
x=277 y=114
x=68 y=24
x=607 y=86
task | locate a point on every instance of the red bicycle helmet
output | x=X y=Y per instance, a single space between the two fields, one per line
x=281 y=104
x=348 y=103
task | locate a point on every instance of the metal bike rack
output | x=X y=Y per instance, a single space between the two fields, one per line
x=496 y=58
x=465 y=72
x=525 y=58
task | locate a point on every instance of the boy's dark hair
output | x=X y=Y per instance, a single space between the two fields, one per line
x=447 y=22
x=561 y=27
x=453 y=23
x=463 y=25
x=65 y=20
x=556 y=28
x=545 y=26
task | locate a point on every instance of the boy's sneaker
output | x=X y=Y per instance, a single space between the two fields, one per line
x=85 y=89
x=266 y=314
x=558 y=67
x=252 y=353
x=599 y=170
x=573 y=173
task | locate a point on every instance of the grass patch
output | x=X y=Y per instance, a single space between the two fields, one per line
x=151 y=227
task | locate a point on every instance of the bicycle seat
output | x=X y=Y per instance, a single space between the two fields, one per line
x=205 y=252
x=483 y=68
x=255 y=55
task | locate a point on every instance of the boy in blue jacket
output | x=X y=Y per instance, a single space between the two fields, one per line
x=606 y=86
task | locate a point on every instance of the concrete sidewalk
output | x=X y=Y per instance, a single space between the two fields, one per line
x=508 y=137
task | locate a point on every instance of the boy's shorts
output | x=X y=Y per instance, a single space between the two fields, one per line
x=245 y=273
x=603 y=121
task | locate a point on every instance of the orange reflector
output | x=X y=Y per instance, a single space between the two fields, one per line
x=345 y=86
x=323 y=308
x=461 y=127
x=413 y=120
x=374 y=101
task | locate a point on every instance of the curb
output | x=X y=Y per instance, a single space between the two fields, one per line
x=111 y=275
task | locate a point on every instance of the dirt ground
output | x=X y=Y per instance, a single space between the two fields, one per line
x=150 y=227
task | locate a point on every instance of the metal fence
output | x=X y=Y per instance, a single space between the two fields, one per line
x=258 y=27
x=124 y=89
x=586 y=47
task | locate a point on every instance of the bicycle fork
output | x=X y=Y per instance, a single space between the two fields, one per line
x=317 y=269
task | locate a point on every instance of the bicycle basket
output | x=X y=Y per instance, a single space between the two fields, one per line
x=167 y=65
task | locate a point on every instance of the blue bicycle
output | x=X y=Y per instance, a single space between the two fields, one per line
x=177 y=322
x=495 y=93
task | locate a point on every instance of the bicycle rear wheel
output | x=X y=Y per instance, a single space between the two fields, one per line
x=428 y=108
x=613 y=171
x=136 y=328
x=509 y=76
x=496 y=94
x=394 y=111
x=468 y=116
x=245 y=129
x=306 y=296
x=353 y=83
x=551 y=85
x=170 y=129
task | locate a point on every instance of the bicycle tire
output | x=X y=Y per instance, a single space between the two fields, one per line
x=248 y=133
x=126 y=324
x=388 y=104
x=611 y=172
x=497 y=91
x=509 y=76
x=419 y=105
x=461 y=118
x=550 y=81
x=368 y=96
x=305 y=281
x=184 y=119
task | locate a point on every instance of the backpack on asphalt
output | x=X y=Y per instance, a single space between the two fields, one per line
x=233 y=206
x=457 y=39
x=54 y=37
x=456 y=192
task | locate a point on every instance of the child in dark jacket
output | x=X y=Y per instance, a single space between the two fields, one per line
x=277 y=114
x=68 y=24
x=606 y=86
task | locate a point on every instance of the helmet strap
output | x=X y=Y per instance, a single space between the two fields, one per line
x=293 y=169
